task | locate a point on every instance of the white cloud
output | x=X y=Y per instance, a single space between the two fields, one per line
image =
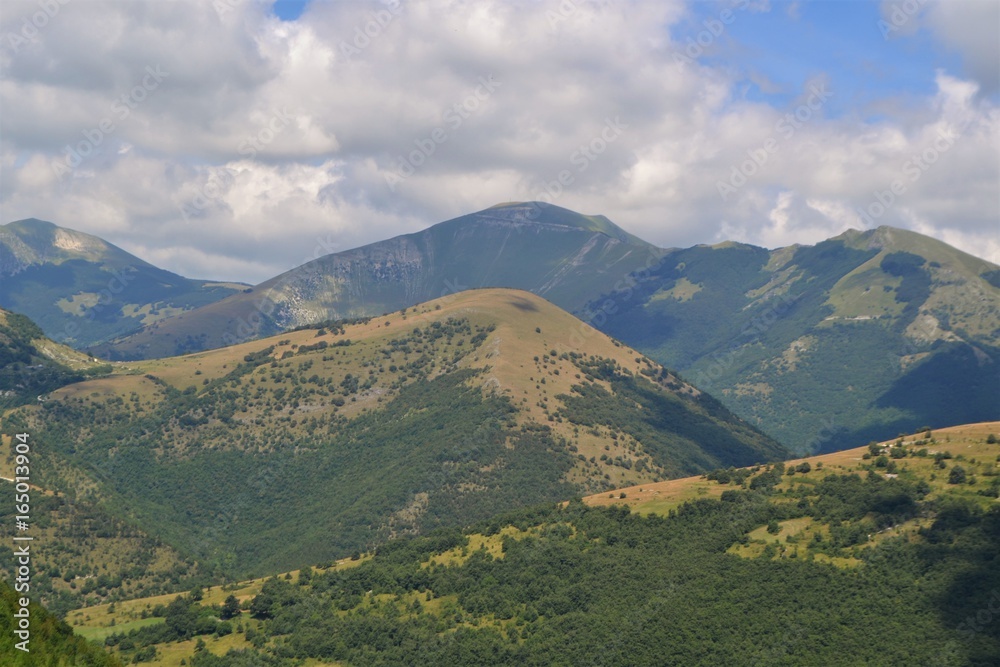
x=268 y=141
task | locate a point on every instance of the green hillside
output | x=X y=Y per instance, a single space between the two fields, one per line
x=856 y=338
x=82 y=290
x=31 y=365
x=875 y=556
x=322 y=442
x=566 y=257
x=51 y=642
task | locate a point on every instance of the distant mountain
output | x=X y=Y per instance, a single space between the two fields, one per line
x=291 y=450
x=857 y=338
x=566 y=257
x=82 y=290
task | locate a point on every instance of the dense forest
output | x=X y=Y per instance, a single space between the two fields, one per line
x=51 y=643
x=578 y=585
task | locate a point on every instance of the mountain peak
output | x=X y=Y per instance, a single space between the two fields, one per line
x=29 y=224
x=894 y=239
x=551 y=215
x=32 y=242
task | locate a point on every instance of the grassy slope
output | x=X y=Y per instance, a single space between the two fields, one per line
x=32 y=365
x=184 y=446
x=966 y=440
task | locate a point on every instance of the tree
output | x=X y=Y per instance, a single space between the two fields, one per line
x=773 y=527
x=230 y=608
x=957 y=475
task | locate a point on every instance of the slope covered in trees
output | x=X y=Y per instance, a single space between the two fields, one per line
x=323 y=442
x=830 y=562
x=51 y=643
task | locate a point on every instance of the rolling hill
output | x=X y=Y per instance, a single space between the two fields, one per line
x=877 y=555
x=83 y=290
x=566 y=257
x=321 y=442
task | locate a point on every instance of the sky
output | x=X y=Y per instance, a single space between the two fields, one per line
x=236 y=139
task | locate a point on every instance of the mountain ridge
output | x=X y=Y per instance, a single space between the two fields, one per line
x=559 y=254
x=860 y=336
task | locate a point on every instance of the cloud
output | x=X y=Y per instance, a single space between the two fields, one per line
x=266 y=142
x=971 y=27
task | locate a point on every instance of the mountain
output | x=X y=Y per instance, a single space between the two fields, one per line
x=83 y=290
x=566 y=257
x=879 y=555
x=295 y=449
x=857 y=338
x=31 y=364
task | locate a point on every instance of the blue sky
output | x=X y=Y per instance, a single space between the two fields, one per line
x=289 y=10
x=777 y=52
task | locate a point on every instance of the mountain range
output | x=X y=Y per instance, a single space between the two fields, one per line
x=859 y=337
